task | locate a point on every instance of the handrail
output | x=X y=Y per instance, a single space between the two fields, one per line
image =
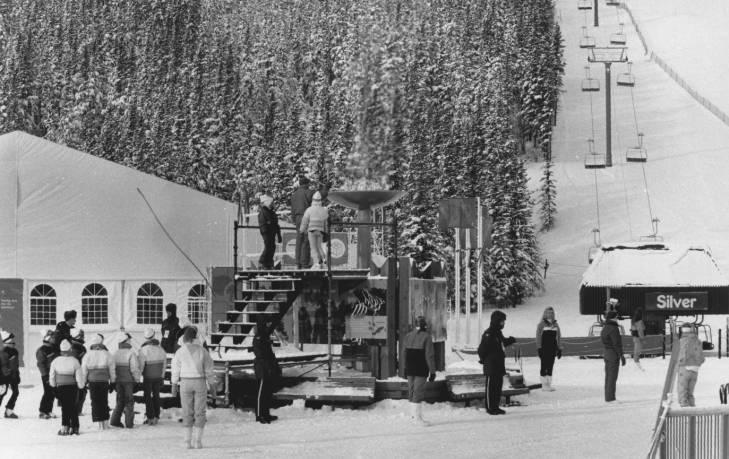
x=664 y=406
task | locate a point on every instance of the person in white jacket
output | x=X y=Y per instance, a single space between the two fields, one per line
x=98 y=371
x=127 y=375
x=314 y=224
x=192 y=372
x=152 y=362
x=65 y=377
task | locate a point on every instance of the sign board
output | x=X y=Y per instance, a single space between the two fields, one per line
x=462 y=213
x=11 y=311
x=676 y=302
x=367 y=327
x=340 y=248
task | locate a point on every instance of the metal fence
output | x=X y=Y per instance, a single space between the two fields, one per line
x=696 y=433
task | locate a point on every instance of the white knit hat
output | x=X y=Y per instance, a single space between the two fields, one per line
x=96 y=339
x=124 y=337
x=266 y=200
x=316 y=197
x=149 y=333
x=65 y=346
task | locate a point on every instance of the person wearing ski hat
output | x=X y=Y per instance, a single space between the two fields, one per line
x=45 y=355
x=12 y=362
x=127 y=375
x=300 y=201
x=493 y=357
x=270 y=231
x=613 y=356
x=65 y=377
x=78 y=350
x=314 y=223
x=170 y=329
x=98 y=371
x=549 y=346
x=152 y=362
x=419 y=365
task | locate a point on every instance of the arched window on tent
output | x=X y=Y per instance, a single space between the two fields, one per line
x=43 y=305
x=197 y=305
x=94 y=305
x=149 y=304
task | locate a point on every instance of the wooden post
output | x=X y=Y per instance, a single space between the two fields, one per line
x=479 y=264
x=392 y=313
x=227 y=383
x=458 y=285
x=404 y=315
x=467 y=285
x=297 y=339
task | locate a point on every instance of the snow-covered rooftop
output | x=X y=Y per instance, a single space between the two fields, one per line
x=653 y=264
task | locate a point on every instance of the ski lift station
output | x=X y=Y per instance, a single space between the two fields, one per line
x=664 y=279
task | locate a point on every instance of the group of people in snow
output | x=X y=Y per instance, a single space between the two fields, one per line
x=310 y=216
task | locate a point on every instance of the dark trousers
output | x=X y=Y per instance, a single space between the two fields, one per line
x=493 y=391
x=151 y=398
x=99 y=395
x=81 y=400
x=125 y=403
x=46 y=403
x=68 y=396
x=611 y=378
x=546 y=364
x=13 y=398
x=269 y=248
x=265 y=395
x=303 y=251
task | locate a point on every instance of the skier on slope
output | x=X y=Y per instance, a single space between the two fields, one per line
x=492 y=355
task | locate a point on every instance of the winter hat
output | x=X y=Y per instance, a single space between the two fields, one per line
x=612 y=302
x=420 y=323
x=497 y=317
x=124 y=338
x=316 y=197
x=266 y=200
x=171 y=308
x=149 y=333
x=304 y=180
x=65 y=346
x=611 y=315
x=68 y=315
x=96 y=339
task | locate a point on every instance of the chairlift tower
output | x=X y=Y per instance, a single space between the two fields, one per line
x=607 y=56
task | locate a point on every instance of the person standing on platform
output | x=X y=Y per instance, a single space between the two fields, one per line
x=9 y=354
x=300 y=201
x=493 y=357
x=637 y=331
x=270 y=231
x=44 y=356
x=314 y=224
x=690 y=358
x=170 y=329
x=548 y=346
x=65 y=377
x=127 y=375
x=98 y=371
x=267 y=370
x=78 y=351
x=152 y=361
x=612 y=354
x=192 y=373
x=419 y=365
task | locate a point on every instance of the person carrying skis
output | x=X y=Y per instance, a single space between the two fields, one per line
x=548 y=347
x=612 y=352
x=419 y=365
x=493 y=357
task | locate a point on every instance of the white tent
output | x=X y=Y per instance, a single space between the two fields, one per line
x=78 y=233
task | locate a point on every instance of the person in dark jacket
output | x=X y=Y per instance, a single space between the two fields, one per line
x=78 y=351
x=492 y=356
x=612 y=353
x=44 y=356
x=419 y=364
x=12 y=363
x=549 y=346
x=63 y=329
x=300 y=201
x=170 y=329
x=270 y=231
x=267 y=370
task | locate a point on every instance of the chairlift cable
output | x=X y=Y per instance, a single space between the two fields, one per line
x=597 y=202
x=645 y=177
x=622 y=172
x=635 y=113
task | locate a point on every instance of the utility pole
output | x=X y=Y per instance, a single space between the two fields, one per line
x=607 y=56
x=596 y=22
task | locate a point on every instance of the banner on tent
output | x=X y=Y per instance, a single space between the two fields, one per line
x=11 y=311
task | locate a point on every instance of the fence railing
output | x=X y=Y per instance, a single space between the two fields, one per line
x=696 y=433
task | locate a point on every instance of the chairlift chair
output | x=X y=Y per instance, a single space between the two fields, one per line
x=584 y=4
x=593 y=159
x=618 y=38
x=612 y=2
x=590 y=84
x=637 y=154
x=586 y=41
x=626 y=78
x=596 y=245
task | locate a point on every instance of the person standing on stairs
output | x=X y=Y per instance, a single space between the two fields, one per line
x=549 y=346
x=419 y=365
x=270 y=231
